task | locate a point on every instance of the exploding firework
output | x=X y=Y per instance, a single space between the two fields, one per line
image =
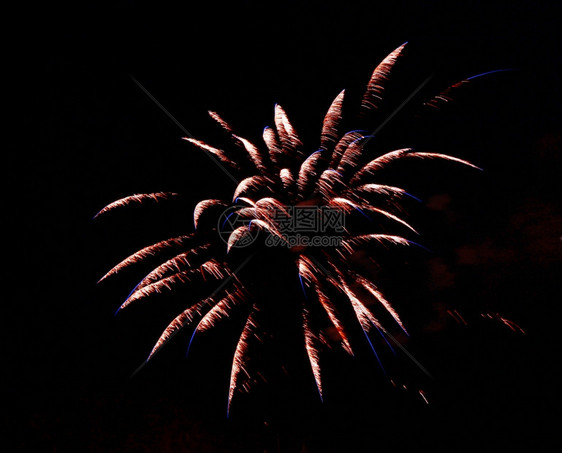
x=335 y=181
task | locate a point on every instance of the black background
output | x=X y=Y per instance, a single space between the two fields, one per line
x=82 y=134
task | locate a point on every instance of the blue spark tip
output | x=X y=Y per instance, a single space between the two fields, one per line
x=489 y=72
x=413 y=196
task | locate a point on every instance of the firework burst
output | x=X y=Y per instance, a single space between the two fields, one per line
x=337 y=177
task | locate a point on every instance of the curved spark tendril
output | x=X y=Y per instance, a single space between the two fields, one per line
x=336 y=175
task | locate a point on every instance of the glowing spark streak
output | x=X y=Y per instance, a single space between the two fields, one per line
x=251 y=182
x=350 y=244
x=272 y=143
x=312 y=351
x=211 y=267
x=138 y=198
x=239 y=355
x=331 y=122
x=344 y=203
x=342 y=145
x=331 y=312
x=202 y=206
x=236 y=236
x=446 y=95
x=187 y=316
x=392 y=216
x=219 y=153
x=219 y=120
x=375 y=87
x=245 y=200
x=382 y=189
x=221 y=310
x=326 y=182
x=172 y=264
x=151 y=250
x=270 y=204
x=307 y=169
x=364 y=316
x=289 y=138
x=286 y=178
x=253 y=152
x=180 y=321
x=379 y=162
x=352 y=153
x=385 y=303
x=267 y=226
x=306 y=267
x=512 y=325
x=349 y=206
x=341 y=286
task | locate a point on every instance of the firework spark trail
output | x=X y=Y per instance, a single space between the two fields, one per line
x=338 y=175
x=249 y=183
x=271 y=141
x=290 y=141
x=203 y=206
x=179 y=322
x=375 y=87
x=310 y=341
x=447 y=94
x=219 y=120
x=307 y=169
x=335 y=281
x=219 y=153
x=331 y=123
x=306 y=272
x=380 y=298
x=211 y=267
x=239 y=355
x=138 y=198
x=253 y=152
x=365 y=318
x=342 y=145
x=187 y=316
x=150 y=250
x=221 y=310
x=287 y=179
x=381 y=189
x=382 y=161
x=173 y=264
x=514 y=327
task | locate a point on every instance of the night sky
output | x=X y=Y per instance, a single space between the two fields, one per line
x=84 y=134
